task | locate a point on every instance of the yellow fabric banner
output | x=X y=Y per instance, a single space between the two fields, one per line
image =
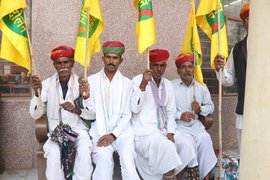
x=145 y=27
x=207 y=19
x=192 y=44
x=95 y=26
x=14 y=45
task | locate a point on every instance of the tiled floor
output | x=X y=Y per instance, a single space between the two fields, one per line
x=31 y=174
x=24 y=174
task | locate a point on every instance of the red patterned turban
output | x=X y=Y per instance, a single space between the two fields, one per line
x=62 y=51
x=159 y=55
x=244 y=13
x=182 y=58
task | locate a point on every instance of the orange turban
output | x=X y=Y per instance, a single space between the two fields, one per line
x=182 y=58
x=62 y=51
x=159 y=55
x=244 y=13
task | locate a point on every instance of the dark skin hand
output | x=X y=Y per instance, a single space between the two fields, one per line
x=187 y=116
x=84 y=89
x=147 y=76
x=36 y=84
x=71 y=108
x=170 y=137
x=219 y=62
x=105 y=140
x=196 y=107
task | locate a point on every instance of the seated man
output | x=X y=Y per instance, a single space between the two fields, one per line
x=108 y=100
x=153 y=122
x=192 y=100
x=58 y=93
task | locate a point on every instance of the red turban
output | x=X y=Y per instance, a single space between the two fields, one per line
x=114 y=47
x=62 y=51
x=182 y=58
x=244 y=13
x=159 y=55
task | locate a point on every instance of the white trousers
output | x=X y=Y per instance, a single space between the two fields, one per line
x=186 y=149
x=239 y=137
x=103 y=158
x=83 y=164
x=206 y=157
x=156 y=155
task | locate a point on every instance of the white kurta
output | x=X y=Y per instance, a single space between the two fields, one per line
x=109 y=104
x=194 y=130
x=156 y=154
x=52 y=96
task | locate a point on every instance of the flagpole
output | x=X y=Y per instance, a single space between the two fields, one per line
x=32 y=61
x=86 y=45
x=219 y=96
x=194 y=62
x=148 y=62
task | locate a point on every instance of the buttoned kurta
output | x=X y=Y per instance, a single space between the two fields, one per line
x=51 y=98
x=156 y=155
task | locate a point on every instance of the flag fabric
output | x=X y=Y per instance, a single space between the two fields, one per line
x=207 y=19
x=192 y=44
x=145 y=28
x=95 y=26
x=14 y=45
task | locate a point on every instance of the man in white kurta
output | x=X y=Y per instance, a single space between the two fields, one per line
x=58 y=93
x=153 y=111
x=192 y=99
x=235 y=71
x=109 y=103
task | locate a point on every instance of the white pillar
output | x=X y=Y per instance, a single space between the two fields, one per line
x=255 y=148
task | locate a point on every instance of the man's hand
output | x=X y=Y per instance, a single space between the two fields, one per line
x=71 y=108
x=84 y=89
x=196 y=107
x=36 y=84
x=147 y=76
x=170 y=137
x=219 y=62
x=105 y=140
x=187 y=116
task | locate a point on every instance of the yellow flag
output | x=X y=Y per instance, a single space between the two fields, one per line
x=207 y=19
x=145 y=28
x=14 y=46
x=95 y=26
x=192 y=44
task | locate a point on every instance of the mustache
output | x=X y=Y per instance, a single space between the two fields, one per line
x=111 y=65
x=61 y=70
x=188 y=74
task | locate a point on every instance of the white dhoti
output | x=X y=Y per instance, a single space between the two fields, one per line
x=83 y=164
x=103 y=158
x=186 y=149
x=156 y=155
x=205 y=153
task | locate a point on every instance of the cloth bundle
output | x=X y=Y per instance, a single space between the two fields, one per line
x=65 y=138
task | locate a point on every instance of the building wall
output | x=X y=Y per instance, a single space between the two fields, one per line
x=55 y=23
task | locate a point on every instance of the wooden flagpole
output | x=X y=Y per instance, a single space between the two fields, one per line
x=219 y=97
x=148 y=62
x=86 y=45
x=32 y=61
x=194 y=64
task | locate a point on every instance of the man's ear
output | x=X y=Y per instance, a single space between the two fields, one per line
x=73 y=62
x=121 y=60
